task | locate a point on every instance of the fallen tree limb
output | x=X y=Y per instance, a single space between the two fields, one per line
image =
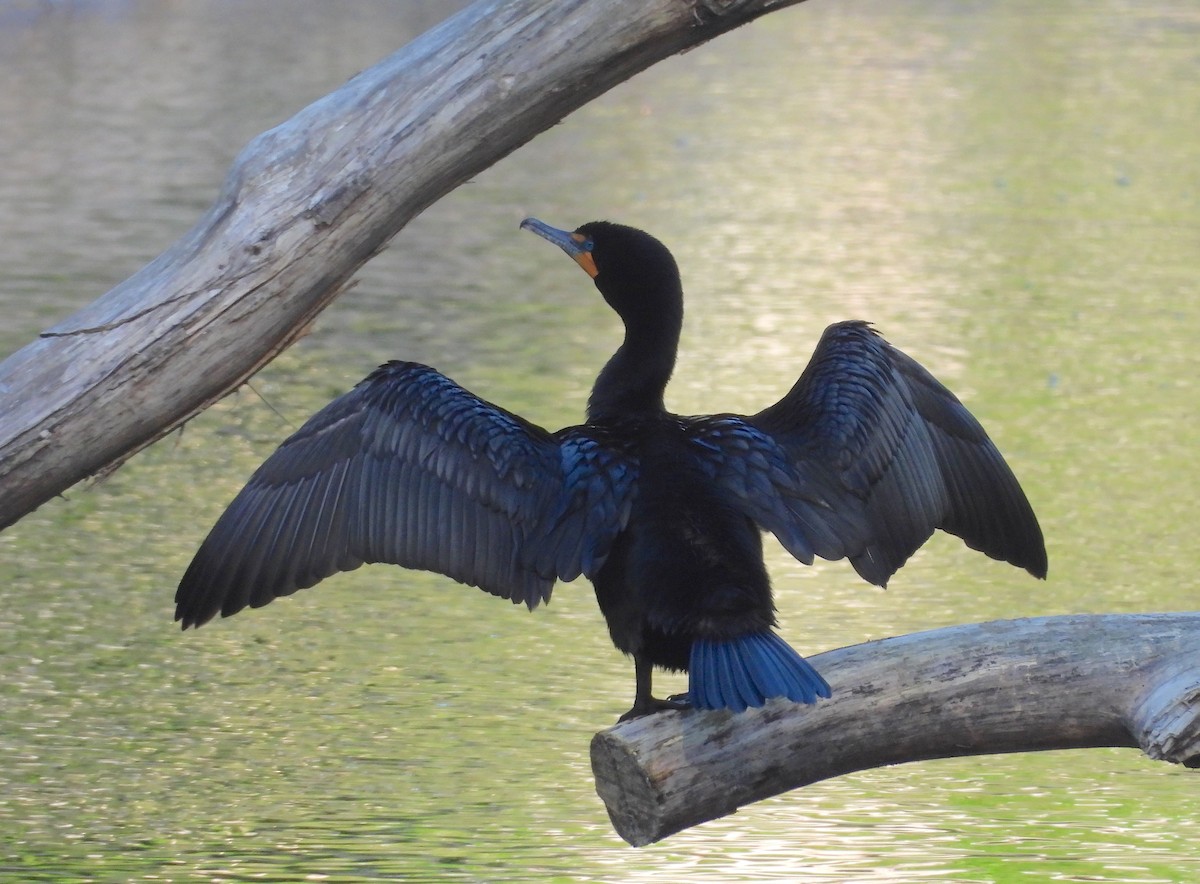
x=1006 y=686
x=304 y=206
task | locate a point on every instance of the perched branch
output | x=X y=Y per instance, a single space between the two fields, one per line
x=1006 y=686
x=303 y=207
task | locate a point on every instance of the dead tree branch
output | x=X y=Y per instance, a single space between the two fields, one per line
x=304 y=206
x=1006 y=686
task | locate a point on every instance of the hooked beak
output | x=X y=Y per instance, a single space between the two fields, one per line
x=574 y=244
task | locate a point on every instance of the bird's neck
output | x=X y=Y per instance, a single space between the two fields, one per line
x=635 y=378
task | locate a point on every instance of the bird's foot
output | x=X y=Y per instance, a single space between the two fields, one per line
x=650 y=705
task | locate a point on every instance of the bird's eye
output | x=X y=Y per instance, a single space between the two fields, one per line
x=585 y=243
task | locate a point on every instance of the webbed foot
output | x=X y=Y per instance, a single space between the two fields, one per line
x=650 y=705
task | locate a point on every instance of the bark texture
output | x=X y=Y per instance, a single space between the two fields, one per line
x=1006 y=686
x=304 y=206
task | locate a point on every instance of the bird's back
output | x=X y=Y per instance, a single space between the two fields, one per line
x=689 y=562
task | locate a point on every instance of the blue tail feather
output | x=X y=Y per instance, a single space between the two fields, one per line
x=738 y=673
x=713 y=689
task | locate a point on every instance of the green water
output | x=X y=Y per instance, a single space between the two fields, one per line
x=1009 y=190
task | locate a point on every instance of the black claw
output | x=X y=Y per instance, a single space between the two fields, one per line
x=650 y=705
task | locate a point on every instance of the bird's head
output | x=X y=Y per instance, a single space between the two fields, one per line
x=633 y=270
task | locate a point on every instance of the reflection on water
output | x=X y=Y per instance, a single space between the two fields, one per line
x=1008 y=191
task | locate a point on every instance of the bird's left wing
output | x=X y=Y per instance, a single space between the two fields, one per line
x=410 y=468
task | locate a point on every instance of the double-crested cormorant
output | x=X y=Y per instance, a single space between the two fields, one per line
x=863 y=458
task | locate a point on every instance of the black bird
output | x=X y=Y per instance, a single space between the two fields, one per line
x=863 y=458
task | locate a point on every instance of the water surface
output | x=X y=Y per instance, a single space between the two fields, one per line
x=1009 y=190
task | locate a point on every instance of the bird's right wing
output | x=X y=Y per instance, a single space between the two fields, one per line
x=410 y=468
x=894 y=455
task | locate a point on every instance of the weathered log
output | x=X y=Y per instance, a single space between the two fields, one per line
x=303 y=207
x=1006 y=686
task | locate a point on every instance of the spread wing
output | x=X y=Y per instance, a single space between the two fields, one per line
x=867 y=455
x=410 y=468
x=758 y=474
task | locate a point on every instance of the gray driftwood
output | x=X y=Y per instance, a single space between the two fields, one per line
x=1007 y=686
x=303 y=207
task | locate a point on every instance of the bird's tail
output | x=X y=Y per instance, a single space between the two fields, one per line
x=747 y=671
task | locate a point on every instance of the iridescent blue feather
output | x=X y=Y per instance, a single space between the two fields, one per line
x=740 y=673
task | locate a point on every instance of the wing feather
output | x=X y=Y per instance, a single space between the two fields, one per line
x=865 y=457
x=411 y=469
